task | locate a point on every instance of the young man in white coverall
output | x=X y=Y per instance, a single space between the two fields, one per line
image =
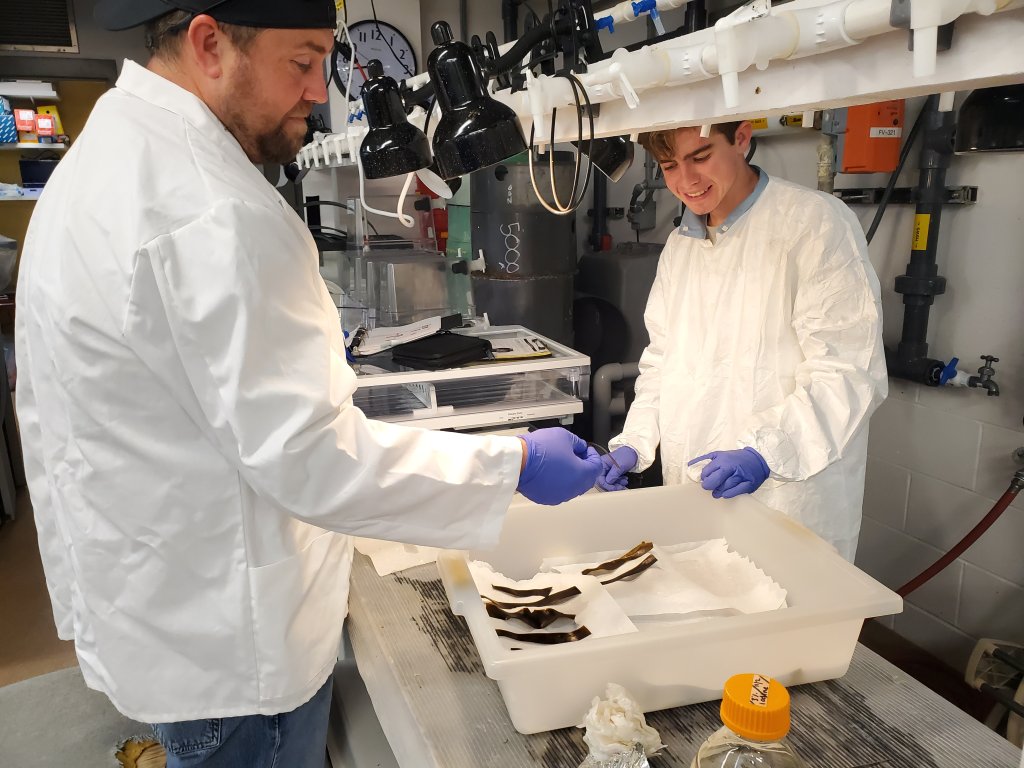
x=765 y=358
x=193 y=454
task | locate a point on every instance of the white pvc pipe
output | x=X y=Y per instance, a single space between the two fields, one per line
x=698 y=56
x=821 y=29
x=926 y=47
x=421 y=79
x=739 y=45
x=925 y=20
x=797 y=29
x=623 y=12
x=866 y=18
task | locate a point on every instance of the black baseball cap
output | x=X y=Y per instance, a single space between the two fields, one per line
x=116 y=15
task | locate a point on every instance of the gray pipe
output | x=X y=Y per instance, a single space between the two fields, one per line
x=602 y=383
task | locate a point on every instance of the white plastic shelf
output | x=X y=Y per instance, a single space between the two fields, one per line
x=31 y=195
x=493 y=393
x=23 y=145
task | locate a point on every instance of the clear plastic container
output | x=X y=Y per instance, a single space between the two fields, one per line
x=755 y=710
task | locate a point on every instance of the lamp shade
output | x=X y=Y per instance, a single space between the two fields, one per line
x=393 y=146
x=474 y=131
x=612 y=156
x=991 y=120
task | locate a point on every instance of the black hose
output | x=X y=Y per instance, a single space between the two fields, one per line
x=904 y=154
x=422 y=95
x=426 y=121
x=576 y=196
x=511 y=58
x=334 y=70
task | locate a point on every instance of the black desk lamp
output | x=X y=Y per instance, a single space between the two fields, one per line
x=393 y=146
x=474 y=131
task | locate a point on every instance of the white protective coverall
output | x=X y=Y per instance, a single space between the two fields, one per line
x=190 y=440
x=768 y=338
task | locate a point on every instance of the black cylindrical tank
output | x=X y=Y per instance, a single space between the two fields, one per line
x=530 y=253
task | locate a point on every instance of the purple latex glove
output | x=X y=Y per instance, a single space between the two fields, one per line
x=614 y=467
x=732 y=473
x=559 y=466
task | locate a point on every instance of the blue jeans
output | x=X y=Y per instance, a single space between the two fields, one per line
x=296 y=739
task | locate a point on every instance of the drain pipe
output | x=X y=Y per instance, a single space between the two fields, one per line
x=510 y=19
x=604 y=406
x=922 y=282
x=599 y=223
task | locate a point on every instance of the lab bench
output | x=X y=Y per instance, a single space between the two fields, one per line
x=436 y=707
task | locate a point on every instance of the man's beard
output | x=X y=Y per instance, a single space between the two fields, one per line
x=273 y=146
x=277 y=146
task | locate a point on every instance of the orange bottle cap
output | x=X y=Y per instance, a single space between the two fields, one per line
x=756 y=707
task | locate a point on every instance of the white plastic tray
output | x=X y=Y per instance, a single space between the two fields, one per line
x=813 y=639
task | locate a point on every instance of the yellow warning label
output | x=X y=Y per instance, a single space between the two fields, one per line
x=921 y=223
x=759 y=123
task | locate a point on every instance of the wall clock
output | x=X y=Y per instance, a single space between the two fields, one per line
x=374 y=40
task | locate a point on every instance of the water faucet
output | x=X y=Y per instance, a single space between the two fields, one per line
x=984 y=377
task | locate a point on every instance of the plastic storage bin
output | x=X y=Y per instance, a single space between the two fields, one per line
x=494 y=393
x=667 y=666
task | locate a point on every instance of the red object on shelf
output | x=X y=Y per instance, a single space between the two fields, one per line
x=441 y=227
x=45 y=125
x=433 y=223
x=25 y=120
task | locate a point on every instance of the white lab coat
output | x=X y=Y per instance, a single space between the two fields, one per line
x=191 y=446
x=769 y=338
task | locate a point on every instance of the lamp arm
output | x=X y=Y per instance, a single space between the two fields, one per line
x=504 y=64
x=509 y=60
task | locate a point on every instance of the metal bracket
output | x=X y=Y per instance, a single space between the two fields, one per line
x=903 y=195
x=899 y=18
x=611 y=213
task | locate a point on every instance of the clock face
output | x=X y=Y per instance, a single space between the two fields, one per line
x=381 y=41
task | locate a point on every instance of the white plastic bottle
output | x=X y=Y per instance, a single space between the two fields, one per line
x=755 y=710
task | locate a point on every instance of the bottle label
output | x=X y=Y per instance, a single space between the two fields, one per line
x=759 y=691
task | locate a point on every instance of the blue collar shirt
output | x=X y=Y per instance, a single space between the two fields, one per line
x=695 y=226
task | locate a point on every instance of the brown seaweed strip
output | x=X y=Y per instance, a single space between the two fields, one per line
x=640 y=549
x=541 y=592
x=636 y=570
x=546 y=638
x=553 y=599
x=538 y=618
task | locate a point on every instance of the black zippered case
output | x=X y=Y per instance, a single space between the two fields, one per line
x=442 y=350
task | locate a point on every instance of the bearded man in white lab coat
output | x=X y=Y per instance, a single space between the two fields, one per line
x=190 y=440
x=765 y=358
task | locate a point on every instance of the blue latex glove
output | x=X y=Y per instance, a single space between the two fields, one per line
x=559 y=466
x=732 y=473
x=614 y=467
x=348 y=351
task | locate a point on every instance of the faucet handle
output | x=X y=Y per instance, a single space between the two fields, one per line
x=990 y=359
